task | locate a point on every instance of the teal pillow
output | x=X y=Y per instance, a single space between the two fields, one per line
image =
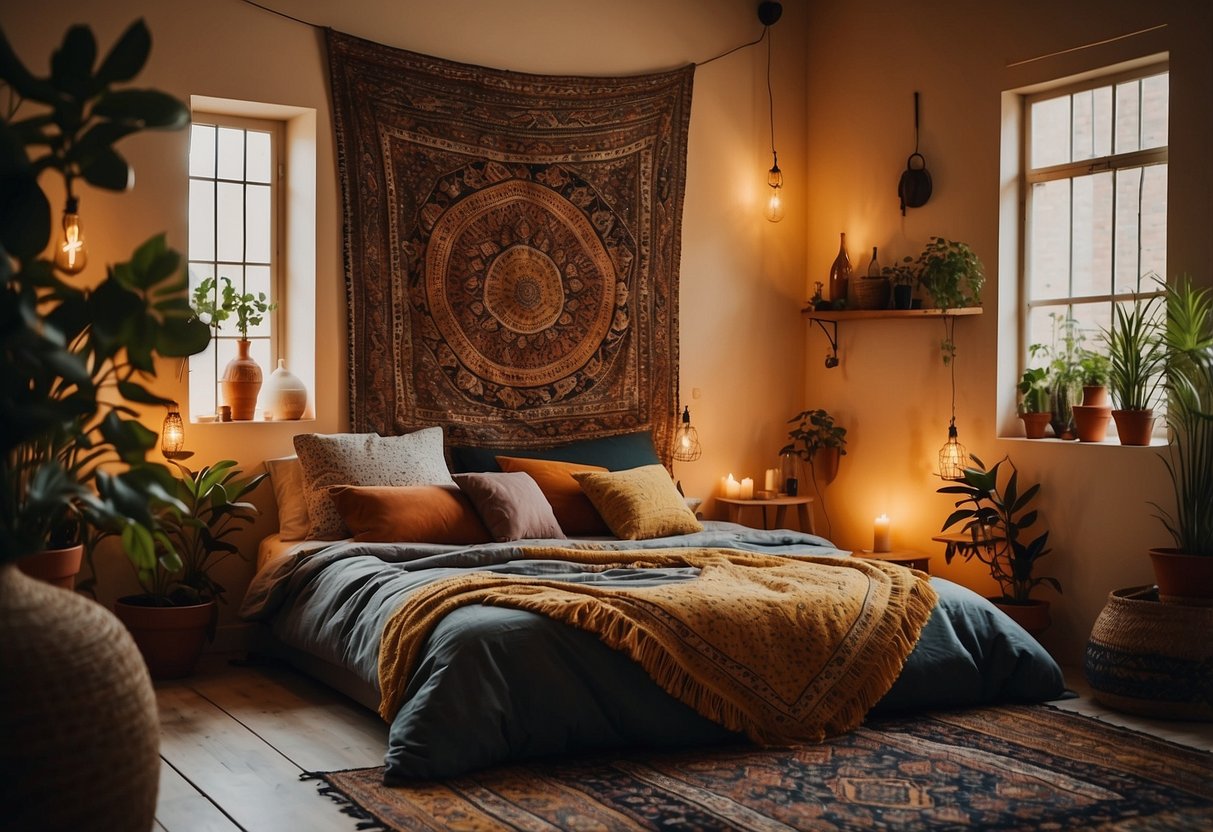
x=614 y=453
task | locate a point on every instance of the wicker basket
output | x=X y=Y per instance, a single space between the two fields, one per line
x=1149 y=658
x=868 y=293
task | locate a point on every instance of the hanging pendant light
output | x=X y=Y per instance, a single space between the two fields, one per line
x=953 y=457
x=172 y=435
x=686 y=440
x=768 y=14
x=70 y=254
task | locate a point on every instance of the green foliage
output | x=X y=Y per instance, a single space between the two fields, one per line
x=951 y=272
x=192 y=536
x=1034 y=388
x=215 y=308
x=902 y=273
x=996 y=513
x=814 y=429
x=1137 y=353
x=66 y=350
x=1095 y=368
x=1189 y=383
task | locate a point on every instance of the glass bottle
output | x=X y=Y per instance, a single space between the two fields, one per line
x=840 y=271
x=789 y=474
x=873 y=267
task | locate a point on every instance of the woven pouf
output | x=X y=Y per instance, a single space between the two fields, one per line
x=1153 y=659
x=79 y=733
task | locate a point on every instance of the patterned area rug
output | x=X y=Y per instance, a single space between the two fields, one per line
x=512 y=247
x=1008 y=768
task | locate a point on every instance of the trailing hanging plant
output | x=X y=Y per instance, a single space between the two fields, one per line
x=952 y=273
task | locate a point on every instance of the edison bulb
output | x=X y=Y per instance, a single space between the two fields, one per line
x=70 y=253
x=774 y=212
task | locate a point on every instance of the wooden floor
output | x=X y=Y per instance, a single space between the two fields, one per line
x=234 y=740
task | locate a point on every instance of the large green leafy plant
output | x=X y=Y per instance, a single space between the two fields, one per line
x=995 y=513
x=75 y=359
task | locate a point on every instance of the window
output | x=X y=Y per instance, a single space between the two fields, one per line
x=1095 y=209
x=235 y=170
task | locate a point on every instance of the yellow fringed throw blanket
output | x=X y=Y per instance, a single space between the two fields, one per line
x=785 y=649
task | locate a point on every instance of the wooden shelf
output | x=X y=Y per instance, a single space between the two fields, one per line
x=862 y=314
x=828 y=320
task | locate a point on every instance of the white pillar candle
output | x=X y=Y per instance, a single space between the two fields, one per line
x=772 y=480
x=880 y=534
x=732 y=488
x=747 y=489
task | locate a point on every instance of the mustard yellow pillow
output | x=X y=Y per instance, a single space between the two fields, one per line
x=639 y=503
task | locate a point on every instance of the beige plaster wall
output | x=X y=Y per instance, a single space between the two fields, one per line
x=742 y=278
x=865 y=60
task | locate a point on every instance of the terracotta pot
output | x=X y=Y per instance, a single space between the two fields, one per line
x=825 y=464
x=1095 y=395
x=170 y=638
x=1182 y=578
x=241 y=383
x=1032 y=615
x=57 y=567
x=81 y=747
x=1134 y=426
x=1091 y=422
x=1035 y=424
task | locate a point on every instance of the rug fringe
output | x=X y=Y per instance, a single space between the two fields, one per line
x=325 y=787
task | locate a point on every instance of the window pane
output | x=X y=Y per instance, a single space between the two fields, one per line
x=1155 y=92
x=1050 y=239
x=1092 y=124
x=1128 y=117
x=234 y=273
x=257 y=223
x=231 y=153
x=1088 y=319
x=1128 y=210
x=257 y=279
x=230 y=232
x=1091 y=255
x=202 y=382
x=1050 y=132
x=1040 y=329
x=258 y=157
x=1154 y=220
x=202 y=220
x=202 y=150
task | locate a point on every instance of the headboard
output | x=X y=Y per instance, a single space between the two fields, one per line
x=511 y=247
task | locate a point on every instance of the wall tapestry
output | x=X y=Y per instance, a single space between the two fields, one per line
x=511 y=247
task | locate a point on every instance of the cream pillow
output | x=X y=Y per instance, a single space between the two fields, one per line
x=364 y=459
x=639 y=503
x=286 y=476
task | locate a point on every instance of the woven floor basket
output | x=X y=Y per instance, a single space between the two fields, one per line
x=1153 y=659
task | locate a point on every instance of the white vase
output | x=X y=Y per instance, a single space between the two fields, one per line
x=283 y=397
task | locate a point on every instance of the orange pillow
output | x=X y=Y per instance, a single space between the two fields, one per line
x=574 y=511
x=409 y=514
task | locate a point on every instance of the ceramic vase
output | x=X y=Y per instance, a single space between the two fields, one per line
x=81 y=747
x=242 y=383
x=284 y=395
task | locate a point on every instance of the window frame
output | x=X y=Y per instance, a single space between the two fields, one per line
x=278 y=184
x=1112 y=162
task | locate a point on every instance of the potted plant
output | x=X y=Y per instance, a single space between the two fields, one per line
x=242 y=376
x=951 y=272
x=994 y=513
x=902 y=277
x=1034 y=388
x=1137 y=358
x=175 y=614
x=1091 y=417
x=1185 y=572
x=75 y=358
x=1065 y=374
x=817 y=440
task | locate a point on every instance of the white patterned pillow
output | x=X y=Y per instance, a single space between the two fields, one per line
x=364 y=459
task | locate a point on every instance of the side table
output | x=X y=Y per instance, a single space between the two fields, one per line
x=781 y=504
x=902 y=557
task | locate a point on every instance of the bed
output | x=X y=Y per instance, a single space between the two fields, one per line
x=494 y=684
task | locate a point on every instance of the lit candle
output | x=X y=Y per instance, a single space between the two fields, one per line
x=772 y=479
x=732 y=488
x=747 y=489
x=880 y=534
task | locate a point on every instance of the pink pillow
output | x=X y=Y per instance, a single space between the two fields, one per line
x=511 y=505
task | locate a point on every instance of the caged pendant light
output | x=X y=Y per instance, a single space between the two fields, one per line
x=686 y=440
x=953 y=458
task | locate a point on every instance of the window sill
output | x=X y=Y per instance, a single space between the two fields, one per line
x=1111 y=442
x=216 y=422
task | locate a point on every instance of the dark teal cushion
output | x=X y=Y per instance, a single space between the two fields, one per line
x=615 y=453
